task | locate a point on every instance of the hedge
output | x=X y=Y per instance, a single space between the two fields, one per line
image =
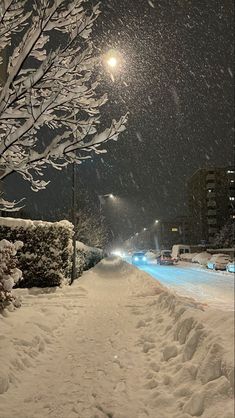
x=45 y=258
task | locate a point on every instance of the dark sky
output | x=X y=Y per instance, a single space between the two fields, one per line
x=177 y=85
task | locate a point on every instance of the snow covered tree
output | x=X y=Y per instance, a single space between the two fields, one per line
x=49 y=105
x=90 y=229
x=225 y=238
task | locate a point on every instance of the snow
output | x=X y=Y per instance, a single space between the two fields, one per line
x=215 y=289
x=28 y=223
x=115 y=344
x=201 y=258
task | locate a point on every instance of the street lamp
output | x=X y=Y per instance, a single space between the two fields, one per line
x=103 y=196
x=156 y=222
x=112 y=62
x=107 y=195
x=74 y=186
x=112 y=59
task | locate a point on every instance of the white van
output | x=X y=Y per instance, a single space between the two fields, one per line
x=179 y=249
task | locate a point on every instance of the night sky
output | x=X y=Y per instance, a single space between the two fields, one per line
x=177 y=85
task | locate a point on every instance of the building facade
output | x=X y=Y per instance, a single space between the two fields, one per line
x=172 y=231
x=211 y=193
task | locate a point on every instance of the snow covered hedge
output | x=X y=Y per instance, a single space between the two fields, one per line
x=9 y=273
x=86 y=257
x=45 y=258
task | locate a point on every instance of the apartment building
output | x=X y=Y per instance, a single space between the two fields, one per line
x=211 y=193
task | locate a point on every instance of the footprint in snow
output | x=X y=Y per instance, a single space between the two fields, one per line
x=148 y=346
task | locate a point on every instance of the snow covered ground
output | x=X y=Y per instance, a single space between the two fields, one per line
x=116 y=344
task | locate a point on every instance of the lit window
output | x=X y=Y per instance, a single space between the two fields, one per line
x=230 y=171
x=231 y=198
x=231 y=181
x=174 y=229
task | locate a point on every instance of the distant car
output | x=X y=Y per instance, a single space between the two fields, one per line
x=218 y=262
x=231 y=267
x=139 y=258
x=165 y=258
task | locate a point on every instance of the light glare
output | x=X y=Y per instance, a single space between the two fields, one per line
x=112 y=62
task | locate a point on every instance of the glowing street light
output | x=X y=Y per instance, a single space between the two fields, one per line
x=112 y=62
x=156 y=222
x=145 y=229
x=107 y=195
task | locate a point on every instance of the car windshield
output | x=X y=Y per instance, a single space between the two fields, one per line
x=138 y=254
x=166 y=253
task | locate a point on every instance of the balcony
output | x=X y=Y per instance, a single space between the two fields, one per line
x=210 y=194
x=210 y=186
x=210 y=177
x=212 y=221
x=211 y=203
x=211 y=212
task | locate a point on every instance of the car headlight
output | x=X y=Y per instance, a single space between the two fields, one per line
x=136 y=258
x=144 y=258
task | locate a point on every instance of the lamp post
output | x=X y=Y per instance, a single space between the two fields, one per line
x=73 y=273
x=102 y=196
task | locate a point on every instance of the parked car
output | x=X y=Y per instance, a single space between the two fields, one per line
x=178 y=250
x=231 y=267
x=218 y=262
x=201 y=258
x=165 y=258
x=139 y=258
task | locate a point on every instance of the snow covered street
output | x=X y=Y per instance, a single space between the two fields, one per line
x=116 y=344
x=207 y=286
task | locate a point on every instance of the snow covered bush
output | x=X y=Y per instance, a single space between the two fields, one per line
x=45 y=258
x=9 y=273
x=86 y=257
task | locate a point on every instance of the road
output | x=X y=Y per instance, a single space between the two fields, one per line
x=214 y=288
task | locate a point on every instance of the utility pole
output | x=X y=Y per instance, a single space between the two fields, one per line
x=73 y=273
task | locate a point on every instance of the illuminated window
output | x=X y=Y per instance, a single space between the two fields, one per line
x=230 y=171
x=174 y=229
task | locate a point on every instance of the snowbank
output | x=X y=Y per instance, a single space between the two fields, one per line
x=188 y=256
x=201 y=258
x=150 y=255
x=127 y=348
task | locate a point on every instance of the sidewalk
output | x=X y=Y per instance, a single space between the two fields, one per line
x=116 y=344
